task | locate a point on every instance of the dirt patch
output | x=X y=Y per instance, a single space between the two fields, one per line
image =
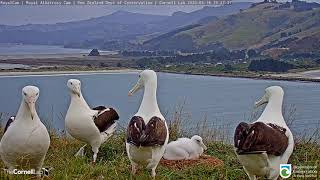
x=204 y=160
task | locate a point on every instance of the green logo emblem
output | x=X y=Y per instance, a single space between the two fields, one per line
x=285 y=170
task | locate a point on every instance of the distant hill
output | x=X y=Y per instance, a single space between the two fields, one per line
x=263 y=26
x=115 y=26
x=119 y=28
x=180 y=19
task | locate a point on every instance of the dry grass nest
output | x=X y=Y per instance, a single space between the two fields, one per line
x=204 y=160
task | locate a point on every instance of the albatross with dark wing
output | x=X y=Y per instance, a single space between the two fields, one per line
x=26 y=140
x=92 y=126
x=268 y=142
x=147 y=133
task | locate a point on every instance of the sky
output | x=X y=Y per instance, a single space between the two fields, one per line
x=19 y=15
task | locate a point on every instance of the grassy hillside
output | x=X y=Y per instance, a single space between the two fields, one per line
x=113 y=32
x=113 y=163
x=262 y=26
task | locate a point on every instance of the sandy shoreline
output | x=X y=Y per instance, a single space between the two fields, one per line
x=55 y=56
x=44 y=73
x=306 y=76
x=313 y=74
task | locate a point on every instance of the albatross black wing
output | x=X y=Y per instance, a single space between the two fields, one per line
x=106 y=117
x=10 y=120
x=257 y=137
x=155 y=133
x=240 y=134
x=152 y=134
x=135 y=130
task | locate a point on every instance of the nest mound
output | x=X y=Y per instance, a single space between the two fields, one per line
x=205 y=160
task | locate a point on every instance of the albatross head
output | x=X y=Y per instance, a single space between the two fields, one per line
x=30 y=95
x=75 y=86
x=272 y=91
x=199 y=141
x=145 y=77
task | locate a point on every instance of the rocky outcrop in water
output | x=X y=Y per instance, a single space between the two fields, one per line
x=94 y=52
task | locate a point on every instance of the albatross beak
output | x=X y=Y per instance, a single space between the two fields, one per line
x=32 y=107
x=262 y=101
x=203 y=146
x=135 y=88
x=76 y=92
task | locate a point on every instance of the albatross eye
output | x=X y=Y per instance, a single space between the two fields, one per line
x=25 y=93
x=37 y=94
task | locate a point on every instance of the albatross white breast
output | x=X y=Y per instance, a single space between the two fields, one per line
x=92 y=126
x=268 y=142
x=26 y=140
x=185 y=148
x=147 y=133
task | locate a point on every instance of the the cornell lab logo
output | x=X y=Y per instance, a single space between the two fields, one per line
x=285 y=170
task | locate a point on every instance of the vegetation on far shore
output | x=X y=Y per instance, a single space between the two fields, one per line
x=216 y=62
x=204 y=70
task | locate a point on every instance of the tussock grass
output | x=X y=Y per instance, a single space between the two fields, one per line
x=113 y=163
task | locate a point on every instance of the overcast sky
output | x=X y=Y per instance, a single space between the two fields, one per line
x=17 y=15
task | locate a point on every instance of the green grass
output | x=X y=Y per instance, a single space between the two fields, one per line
x=112 y=162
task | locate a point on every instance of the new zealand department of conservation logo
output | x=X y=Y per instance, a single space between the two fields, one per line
x=285 y=170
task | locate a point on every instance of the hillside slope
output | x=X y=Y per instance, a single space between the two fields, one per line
x=119 y=26
x=114 y=26
x=261 y=27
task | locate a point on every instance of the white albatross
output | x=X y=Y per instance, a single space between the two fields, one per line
x=26 y=141
x=147 y=133
x=92 y=126
x=185 y=148
x=262 y=146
